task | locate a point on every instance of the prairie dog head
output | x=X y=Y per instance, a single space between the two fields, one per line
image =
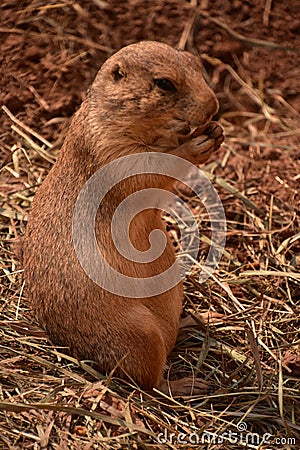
x=151 y=93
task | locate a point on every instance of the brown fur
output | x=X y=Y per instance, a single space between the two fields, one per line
x=124 y=113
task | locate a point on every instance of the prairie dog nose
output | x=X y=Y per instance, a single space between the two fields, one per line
x=203 y=111
x=212 y=109
x=213 y=105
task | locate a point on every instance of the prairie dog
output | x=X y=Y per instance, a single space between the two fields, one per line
x=147 y=97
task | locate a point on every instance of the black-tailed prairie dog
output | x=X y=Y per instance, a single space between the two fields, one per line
x=147 y=97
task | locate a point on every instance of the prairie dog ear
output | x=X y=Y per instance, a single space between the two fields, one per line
x=118 y=72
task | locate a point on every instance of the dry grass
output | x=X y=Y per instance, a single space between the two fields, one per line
x=251 y=355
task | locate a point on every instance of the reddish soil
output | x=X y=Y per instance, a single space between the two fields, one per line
x=50 y=54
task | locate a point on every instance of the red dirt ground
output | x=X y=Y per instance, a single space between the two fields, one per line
x=50 y=52
x=49 y=56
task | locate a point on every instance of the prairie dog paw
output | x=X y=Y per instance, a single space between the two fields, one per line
x=214 y=131
x=186 y=386
x=209 y=138
x=201 y=144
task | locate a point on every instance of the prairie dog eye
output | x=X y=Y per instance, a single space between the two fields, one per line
x=165 y=85
x=118 y=73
